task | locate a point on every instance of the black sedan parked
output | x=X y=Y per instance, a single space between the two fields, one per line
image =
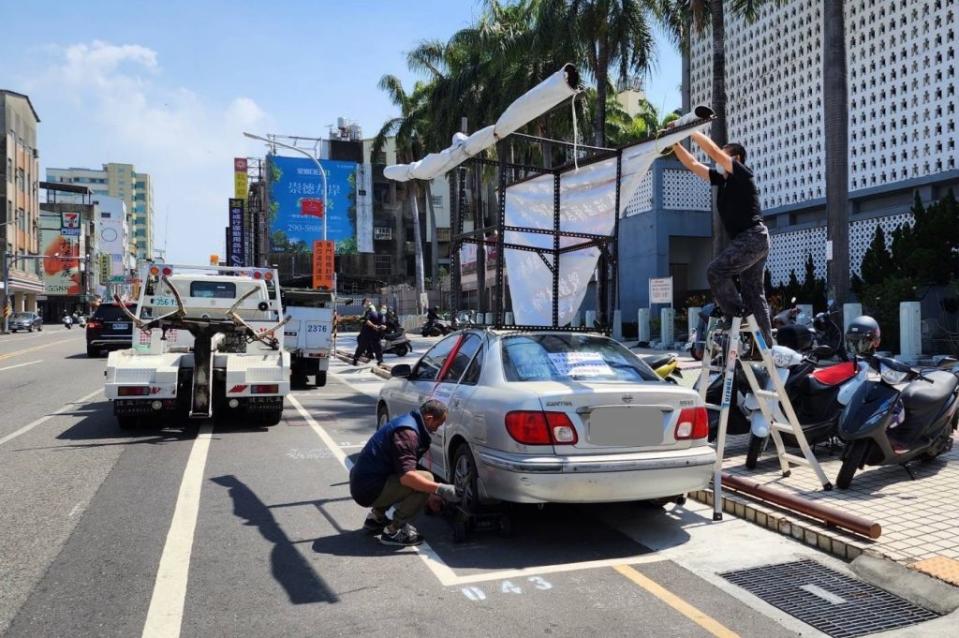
x=28 y=321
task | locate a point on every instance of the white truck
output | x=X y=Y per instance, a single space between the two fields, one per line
x=207 y=342
x=309 y=333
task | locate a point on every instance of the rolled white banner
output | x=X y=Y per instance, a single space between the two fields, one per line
x=538 y=100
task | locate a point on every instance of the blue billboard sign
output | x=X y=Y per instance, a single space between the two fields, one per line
x=295 y=179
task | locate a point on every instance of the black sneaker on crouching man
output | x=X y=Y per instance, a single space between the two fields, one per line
x=385 y=474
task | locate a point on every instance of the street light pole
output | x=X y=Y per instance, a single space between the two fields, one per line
x=315 y=160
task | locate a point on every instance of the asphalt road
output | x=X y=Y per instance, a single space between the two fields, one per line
x=237 y=531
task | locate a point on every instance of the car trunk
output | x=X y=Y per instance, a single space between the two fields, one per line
x=112 y=323
x=618 y=418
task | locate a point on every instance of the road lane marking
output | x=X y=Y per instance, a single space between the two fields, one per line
x=706 y=622
x=165 y=616
x=34 y=348
x=44 y=419
x=21 y=365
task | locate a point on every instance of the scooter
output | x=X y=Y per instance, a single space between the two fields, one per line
x=904 y=415
x=395 y=341
x=818 y=397
x=666 y=366
x=436 y=329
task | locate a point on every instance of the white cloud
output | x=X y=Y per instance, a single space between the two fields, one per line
x=102 y=102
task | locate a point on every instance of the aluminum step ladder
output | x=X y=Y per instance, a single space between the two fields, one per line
x=774 y=404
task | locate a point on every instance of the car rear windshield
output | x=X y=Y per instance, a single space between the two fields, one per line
x=213 y=289
x=112 y=313
x=20 y=316
x=564 y=357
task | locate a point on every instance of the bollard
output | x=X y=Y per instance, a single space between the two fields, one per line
x=590 y=319
x=642 y=320
x=618 y=325
x=692 y=321
x=489 y=319
x=509 y=318
x=910 y=330
x=849 y=312
x=666 y=318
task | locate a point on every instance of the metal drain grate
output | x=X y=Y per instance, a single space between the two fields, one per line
x=832 y=602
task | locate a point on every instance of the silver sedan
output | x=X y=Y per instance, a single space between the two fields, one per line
x=538 y=417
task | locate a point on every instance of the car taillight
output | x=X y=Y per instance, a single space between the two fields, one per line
x=693 y=424
x=265 y=389
x=133 y=391
x=94 y=324
x=541 y=428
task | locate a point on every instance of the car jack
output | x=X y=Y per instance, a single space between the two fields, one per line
x=487 y=519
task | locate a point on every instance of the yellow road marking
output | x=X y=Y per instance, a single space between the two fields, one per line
x=40 y=347
x=706 y=622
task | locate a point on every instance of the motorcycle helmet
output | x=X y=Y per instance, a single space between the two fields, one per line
x=863 y=335
x=820 y=321
x=795 y=336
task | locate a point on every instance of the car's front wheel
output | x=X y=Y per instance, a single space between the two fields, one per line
x=464 y=476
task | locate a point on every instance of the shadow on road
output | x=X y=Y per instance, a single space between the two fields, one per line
x=301 y=583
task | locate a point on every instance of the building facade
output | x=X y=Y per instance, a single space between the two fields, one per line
x=19 y=201
x=123 y=182
x=902 y=122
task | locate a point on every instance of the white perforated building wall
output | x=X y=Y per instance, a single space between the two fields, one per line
x=902 y=60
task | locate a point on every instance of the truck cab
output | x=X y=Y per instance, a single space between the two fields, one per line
x=207 y=342
x=309 y=333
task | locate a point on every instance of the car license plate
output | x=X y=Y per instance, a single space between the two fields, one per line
x=634 y=426
x=121 y=326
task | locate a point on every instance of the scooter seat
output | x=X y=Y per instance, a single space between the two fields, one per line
x=924 y=400
x=658 y=360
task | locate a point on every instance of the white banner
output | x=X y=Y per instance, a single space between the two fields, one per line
x=587 y=203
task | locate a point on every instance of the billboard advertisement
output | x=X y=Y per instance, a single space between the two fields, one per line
x=61 y=263
x=296 y=221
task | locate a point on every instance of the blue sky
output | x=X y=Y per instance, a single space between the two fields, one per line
x=169 y=86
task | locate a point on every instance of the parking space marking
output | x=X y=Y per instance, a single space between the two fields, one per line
x=22 y=365
x=34 y=348
x=165 y=615
x=443 y=572
x=29 y=426
x=708 y=623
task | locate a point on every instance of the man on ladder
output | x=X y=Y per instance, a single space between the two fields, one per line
x=745 y=256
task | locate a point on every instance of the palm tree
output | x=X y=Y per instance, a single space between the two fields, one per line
x=606 y=34
x=406 y=129
x=835 y=131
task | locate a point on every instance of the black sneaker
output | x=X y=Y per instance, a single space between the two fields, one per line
x=404 y=537
x=374 y=525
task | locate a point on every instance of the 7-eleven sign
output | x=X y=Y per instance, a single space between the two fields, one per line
x=70 y=224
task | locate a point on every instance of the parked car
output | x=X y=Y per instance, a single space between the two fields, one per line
x=28 y=321
x=109 y=329
x=539 y=417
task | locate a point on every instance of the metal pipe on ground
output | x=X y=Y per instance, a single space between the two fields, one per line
x=829 y=515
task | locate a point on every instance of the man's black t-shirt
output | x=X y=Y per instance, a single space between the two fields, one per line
x=738 y=199
x=375 y=318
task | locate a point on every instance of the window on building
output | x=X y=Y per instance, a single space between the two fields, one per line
x=384 y=265
x=21 y=181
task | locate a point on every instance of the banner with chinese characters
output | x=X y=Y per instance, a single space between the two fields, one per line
x=236 y=236
x=241 y=181
x=323 y=264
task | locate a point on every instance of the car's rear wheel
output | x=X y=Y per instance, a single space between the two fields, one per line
x=270 y=418
x=464 y=477
x=321 y=379
x=128 y=422
x=93 y=352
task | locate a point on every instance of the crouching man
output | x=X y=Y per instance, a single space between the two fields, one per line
x=386 y=475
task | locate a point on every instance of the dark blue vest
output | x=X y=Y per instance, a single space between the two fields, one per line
x=376 y=461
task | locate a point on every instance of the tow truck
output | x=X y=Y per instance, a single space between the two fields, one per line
x=207 y=343
x=309 y=333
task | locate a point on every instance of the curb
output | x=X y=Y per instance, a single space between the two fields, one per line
x=382 y=370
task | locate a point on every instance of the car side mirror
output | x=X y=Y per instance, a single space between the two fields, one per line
x=401 y=370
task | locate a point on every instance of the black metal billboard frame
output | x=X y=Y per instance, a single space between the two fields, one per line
x=509 y=174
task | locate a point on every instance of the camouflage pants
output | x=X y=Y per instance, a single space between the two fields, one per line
x=745 y=256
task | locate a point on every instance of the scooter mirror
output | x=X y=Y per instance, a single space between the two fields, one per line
x=822 y=352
